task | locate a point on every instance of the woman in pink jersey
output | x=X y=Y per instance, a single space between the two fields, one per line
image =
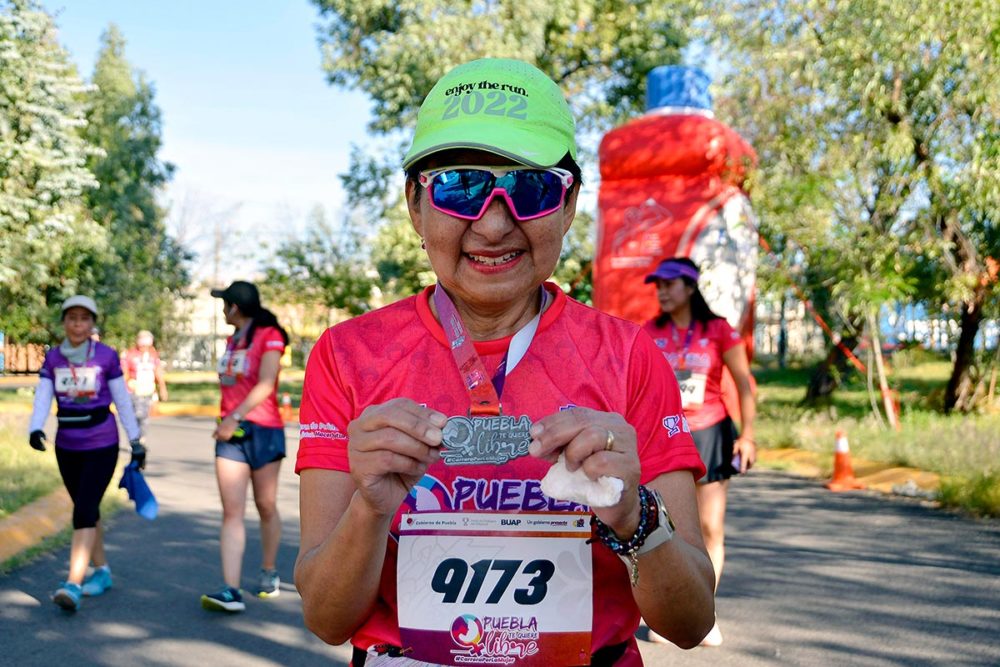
x=429 y=427
x=698 y=344
x=250 y=441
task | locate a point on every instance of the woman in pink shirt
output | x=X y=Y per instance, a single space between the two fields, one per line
x=698 y=344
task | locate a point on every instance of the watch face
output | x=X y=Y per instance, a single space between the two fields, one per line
x=665 y=519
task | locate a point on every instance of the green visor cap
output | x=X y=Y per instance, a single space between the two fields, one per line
x=498 y=105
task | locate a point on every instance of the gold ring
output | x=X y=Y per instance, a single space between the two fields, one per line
x=609 y=446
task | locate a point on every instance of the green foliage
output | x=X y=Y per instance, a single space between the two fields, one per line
x=599 y=52
x=44 y=227
x=979 y=495
x=25 y=475
x=877 y=135
x=320 y=269
x=138 y=283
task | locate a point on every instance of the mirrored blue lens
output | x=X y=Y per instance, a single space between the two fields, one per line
x=463 y=192
x=532 y=191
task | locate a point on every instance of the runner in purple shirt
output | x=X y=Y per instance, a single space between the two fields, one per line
x=85 y=377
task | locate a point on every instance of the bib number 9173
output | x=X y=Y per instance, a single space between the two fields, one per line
x=450 y=578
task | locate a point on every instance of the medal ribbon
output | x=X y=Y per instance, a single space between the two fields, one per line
x=682 y=361
x=485 y=396
x=72 y=367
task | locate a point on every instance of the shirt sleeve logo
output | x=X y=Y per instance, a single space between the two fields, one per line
x=675 y=425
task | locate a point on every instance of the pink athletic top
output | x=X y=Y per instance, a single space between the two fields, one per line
x=239 y=371
x=579 y=357
x=703 y=356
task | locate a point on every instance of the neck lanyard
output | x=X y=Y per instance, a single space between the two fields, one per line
x=485 y=396
x=233 y=347
x=682 y=359
x=86 y=358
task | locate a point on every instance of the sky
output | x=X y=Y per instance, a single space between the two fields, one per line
x=256 y=134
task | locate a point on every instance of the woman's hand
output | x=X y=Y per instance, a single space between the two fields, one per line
x=225 y=429
x=746 y=449
x=391 y=445
x=584 y=435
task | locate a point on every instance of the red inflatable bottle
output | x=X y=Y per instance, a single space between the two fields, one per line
x=672 y=185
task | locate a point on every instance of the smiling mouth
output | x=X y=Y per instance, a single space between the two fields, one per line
x=495 y=261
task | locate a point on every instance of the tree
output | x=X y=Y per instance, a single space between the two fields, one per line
x=599 y=51
x=320 y=269
x=876 y=131
x=139 y=283
x=44 y=227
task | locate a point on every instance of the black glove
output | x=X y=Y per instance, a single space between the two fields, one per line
x=37 y=440
x=138 y=454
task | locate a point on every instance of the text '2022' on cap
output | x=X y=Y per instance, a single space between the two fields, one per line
x=498 y=105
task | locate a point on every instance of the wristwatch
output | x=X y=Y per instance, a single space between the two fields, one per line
x=664 y=531
x=235 y=415
x=661 y=534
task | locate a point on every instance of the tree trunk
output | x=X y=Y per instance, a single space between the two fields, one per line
x=960 y=384
x=827 y=375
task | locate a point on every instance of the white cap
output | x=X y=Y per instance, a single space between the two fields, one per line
x=81 y=301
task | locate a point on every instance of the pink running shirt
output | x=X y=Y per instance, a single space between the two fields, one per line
x=243 y=365
x=704 y=356
x=579 y=357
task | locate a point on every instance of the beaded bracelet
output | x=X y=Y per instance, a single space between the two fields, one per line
x=648 y=522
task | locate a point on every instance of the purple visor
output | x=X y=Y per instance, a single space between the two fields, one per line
x=670 y=269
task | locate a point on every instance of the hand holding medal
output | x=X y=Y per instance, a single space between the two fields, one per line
x=391 y=445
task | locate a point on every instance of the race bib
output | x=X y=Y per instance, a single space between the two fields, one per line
x=77 y=382
x=692 y=387
x=494 y=588
x=233 y=363
x=145 y=380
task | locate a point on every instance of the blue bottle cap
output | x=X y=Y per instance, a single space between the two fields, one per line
x=677 y=86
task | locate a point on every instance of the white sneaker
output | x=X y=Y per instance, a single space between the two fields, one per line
x=713 y=638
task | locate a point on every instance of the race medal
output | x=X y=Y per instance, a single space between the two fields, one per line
x=495 y=588
x=692 y=386
x=227 y=380
x=492 y=440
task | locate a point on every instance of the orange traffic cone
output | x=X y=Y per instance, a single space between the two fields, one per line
x=843 y=472
x=286 y=408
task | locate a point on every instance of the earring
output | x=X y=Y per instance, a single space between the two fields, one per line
x=423 y=243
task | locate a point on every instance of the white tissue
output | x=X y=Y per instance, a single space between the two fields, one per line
x=561 y=484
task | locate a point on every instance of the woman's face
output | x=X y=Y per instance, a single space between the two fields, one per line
x=231 y=312
x=493 y=262
x=673 y=294
x=77 y=323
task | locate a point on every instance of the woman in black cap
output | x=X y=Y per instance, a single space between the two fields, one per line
x=250 y=440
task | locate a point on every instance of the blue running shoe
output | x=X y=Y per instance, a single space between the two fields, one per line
x=98 y=581
x=270 y=584
x=228 y=599
x=68 y=596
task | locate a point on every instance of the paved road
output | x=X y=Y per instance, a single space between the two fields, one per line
x=813 y=579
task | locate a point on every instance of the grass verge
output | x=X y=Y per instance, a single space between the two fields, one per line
x=25 y=474
x=963 y=449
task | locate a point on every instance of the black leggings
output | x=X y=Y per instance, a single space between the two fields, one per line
x=86 y=474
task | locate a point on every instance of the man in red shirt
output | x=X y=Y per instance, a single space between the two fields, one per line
x=144 y=378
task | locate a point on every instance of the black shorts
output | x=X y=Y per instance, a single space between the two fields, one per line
x=261 y=445
x=86 y=474
x=715 y=445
